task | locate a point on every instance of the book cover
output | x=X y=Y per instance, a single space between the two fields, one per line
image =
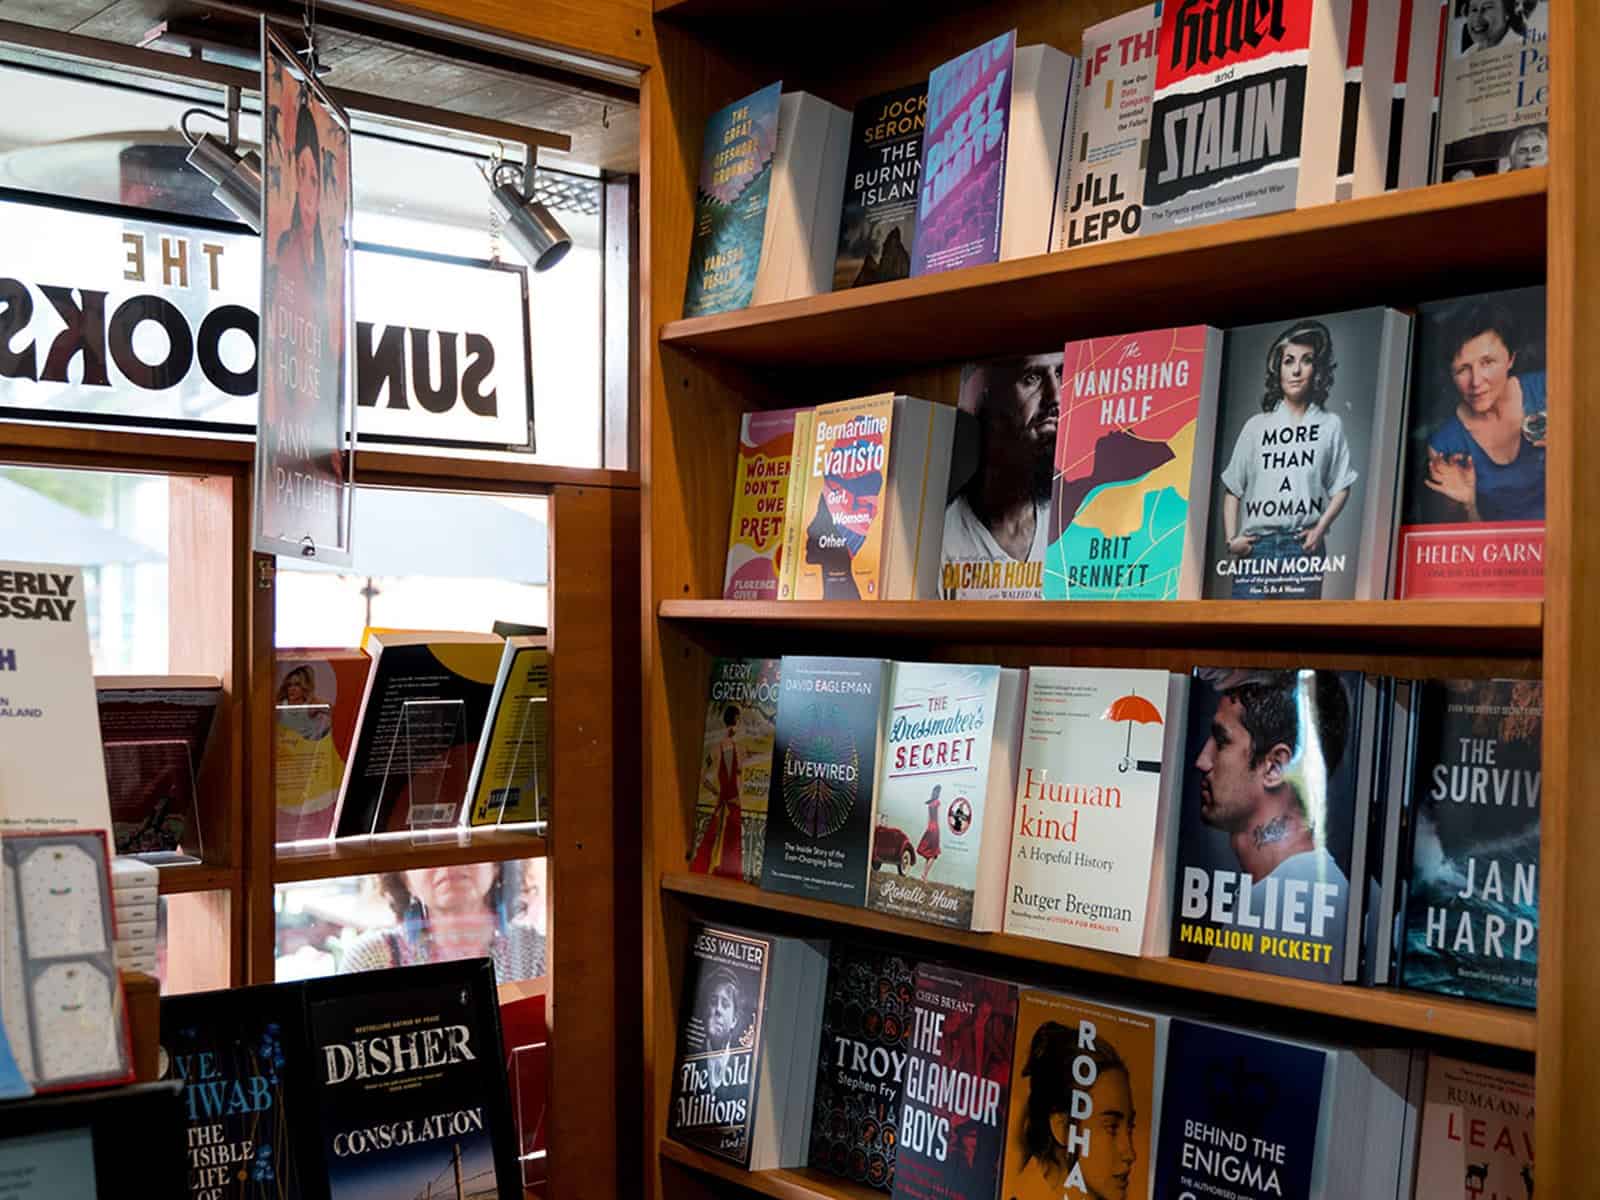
x=760 y=494
x=1133 y=447
x=1477 y=1133
x=932 y=790
x=824 y=766
x=1083 y=1101
x=841 y=515
x=957 y=1086
x=962 y=182
x=1472 y=898
x=1307 y=458
x=1101 y=200
x=997 y=515
x=411 y=1083
x=153 y=739
x=866 y=1037
x=1472 y=522
x=878 y=223
x=720 y=1040
x=423 y=712
x=793 y=536
x=1239 y=1115
x=1089 y=792
x=730 y=816
x=317 y=695
x=511 y=774
x=1494 y=109
x=730 y=207
x=1268 y=827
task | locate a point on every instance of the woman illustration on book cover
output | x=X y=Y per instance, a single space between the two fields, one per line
x=1057 y=1151
x=1487 y=457
x=721 y=848
x=1290 y=476
x=928 y=847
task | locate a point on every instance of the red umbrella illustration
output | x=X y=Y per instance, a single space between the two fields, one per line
x=1134 y=709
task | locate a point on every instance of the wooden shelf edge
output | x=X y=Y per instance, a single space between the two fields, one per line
x=176 y=881
x=797 y=1184
x=401 y=852
x=1436 y=1016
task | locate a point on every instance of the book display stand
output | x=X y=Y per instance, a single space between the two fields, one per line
x=168 y=832
x=513 y=774
x=421 y=763
x=308 y=765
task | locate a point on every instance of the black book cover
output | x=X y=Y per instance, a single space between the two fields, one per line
x=1472 y=899
x=721 y=1032
x=1268 y=826
x=878 y=222
x=866 y=1034
x=824 y=764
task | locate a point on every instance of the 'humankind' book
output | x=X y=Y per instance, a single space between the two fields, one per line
x=878 y=223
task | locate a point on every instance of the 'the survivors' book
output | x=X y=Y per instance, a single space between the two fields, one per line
x=730 y=210
x=1477 y=1133
x=1472 y=523
x=878 y=223
x=1472 y=900
x=824 y=765
x=730 y=816
x=760 y=494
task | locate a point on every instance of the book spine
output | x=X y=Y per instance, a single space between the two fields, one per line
x=793 y=519
x=1191 y=579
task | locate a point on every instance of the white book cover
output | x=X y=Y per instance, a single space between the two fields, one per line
x=1089 y=795
x=989 y=906
x=1495 y=99
x=933 y=788
x=1041 y=115
x=52 y=770
x=1102 y=170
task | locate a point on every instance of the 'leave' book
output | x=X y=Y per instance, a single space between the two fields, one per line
x=760 y=496
x=1477 y=1132
x=730 y=817
x=878 y=222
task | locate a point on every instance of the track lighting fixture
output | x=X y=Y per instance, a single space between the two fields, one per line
x=236 y=174
x=532 y=228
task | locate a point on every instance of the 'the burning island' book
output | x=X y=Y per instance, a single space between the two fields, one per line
x=878 y=223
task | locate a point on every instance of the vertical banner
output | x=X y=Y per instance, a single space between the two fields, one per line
x=303 y=467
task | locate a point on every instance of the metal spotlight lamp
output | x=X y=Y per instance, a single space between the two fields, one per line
x=531 y=227
x=236 y=174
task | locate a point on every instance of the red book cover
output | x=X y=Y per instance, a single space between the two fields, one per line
x=154 y=730
x=316 y=696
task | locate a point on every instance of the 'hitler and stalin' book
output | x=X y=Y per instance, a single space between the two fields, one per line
x=1477 y=1133
x=730 y=816
x=760 y=493
x=730 y=210
x=1247 y=107
x=1133 y=452
x=878 y=222
x=957 y=1087
x=1472 y=899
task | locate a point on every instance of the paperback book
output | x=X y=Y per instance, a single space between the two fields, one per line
x=878 y=223
x=730 y=212
x=760 y=494
x=154 y=732
x=1495 y=95
x=730 y=820
x=1477 y=1133
x=316 y=699
x=510 y=779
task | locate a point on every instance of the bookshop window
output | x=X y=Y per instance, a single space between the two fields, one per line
x=427 y=914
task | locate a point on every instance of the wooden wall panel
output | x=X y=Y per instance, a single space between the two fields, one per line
x=615 y=30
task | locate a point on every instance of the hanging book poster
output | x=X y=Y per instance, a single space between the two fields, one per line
x=303 y=472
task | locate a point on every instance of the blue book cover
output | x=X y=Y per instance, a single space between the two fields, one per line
x=730 y=205
x=1472 y=900
x=1239 y=1115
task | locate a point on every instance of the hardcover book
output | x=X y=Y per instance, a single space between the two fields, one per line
x=1102 y=182
x=824 y=766
x=878 y=223
x=1477 y=1133
x=1494 y=109
x=1307 y=463
x=1246 y=112
x=1095 y=784
x=1132 y=451
x=1086 y=1091
x=730 y=212
x=1273 y=822
x=510 y=779
x=957 y=1086
x=1472 y=522
x=932 y=791
x=1472 y=899
x=962 y=183
x=154 y=732
x=866 y=1037
x=760 y=493
x=730 y=818
x=317 y=696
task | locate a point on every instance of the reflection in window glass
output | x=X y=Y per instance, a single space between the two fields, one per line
x=435 y=914
x=115 y=527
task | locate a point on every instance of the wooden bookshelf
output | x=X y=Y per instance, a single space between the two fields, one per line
x=182 y=880
x=803 y=1184
x=403 y=852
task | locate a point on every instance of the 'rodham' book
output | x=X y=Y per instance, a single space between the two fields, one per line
x=878 y=223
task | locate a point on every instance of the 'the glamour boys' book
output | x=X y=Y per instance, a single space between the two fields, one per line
x=1273 y=817
x=824 y=764
x=730 y=816
x=1133 y=451
x=879 y=220
x=1472 y=522
x=1308 y=433
x=957 y=1086
x=1477 y=1133
x=730 y=210
x=1472 y=900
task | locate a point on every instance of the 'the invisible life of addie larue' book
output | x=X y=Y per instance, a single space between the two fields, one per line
x=1477 y=1133
x=1472 y=522
x=720 y=1040
x=1472 y=900
x=957 y=1086
x=730 y=817
x=866 y=1037
x=962 y=185
x=824 y=765
x=760 y=495
x=878 y=223
x=933 y=787
x=730 y=211
x=1307 y=459
x=1494 y=109
x=1132 y=455
x=1270 y=821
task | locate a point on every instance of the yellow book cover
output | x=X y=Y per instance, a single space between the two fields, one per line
x=512 y=779
x=760 y=493
x=1082 y=1101
x=847 y=470
x=794 y=484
